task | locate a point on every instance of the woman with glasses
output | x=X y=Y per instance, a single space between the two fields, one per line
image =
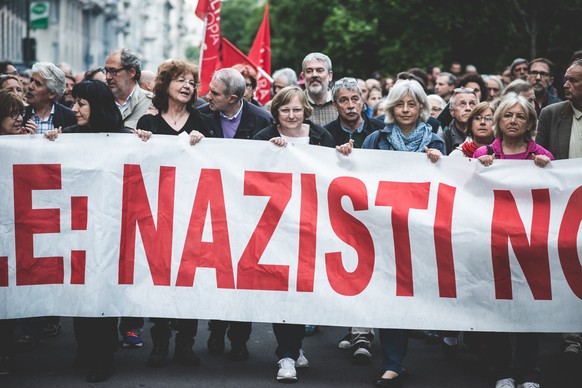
x=291 y=112
x=479 y=130
x=515 y=122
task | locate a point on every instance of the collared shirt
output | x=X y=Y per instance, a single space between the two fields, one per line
x=230 y=124
x=576 y=135
x=43 y=125
x=123 y=107
x=322 y=113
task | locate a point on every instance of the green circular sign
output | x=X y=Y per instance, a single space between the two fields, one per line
x=39 y=8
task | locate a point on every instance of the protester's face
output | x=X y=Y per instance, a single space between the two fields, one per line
x=11 y=125
x=82 y=111
x=37 y=91
x=10 y=69
x=513 y=123
x=373 y=97
x=464 y=104
x=506 y=76
x=291 y=115
x=530 y=96
x=181 y=89
x=317 y=77
x=349 y=105
x=14 y=87
x=573 y=84
x=493 y=89
x=406 y=111
x=540 y=77
x=279 y=84
x=435 y=108
x=482 y=126
x=456 y=69
x=69 y=83
x=122 y=83
x=25 y=82
x=476 y=88
x=216 y=97
x=520 y=71
x=442 y=87
x=249 y=91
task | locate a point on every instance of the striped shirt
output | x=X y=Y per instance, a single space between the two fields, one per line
x=43 y=125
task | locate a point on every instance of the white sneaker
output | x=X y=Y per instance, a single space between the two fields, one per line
x=287 y=370
x=302 y=361
x=505 y=383
x=362 y=355
x=528 y=385
x=345 y=342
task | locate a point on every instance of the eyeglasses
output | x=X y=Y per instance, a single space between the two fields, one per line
x=543 y=74
x=112 y=70
x=487 y=119
x=436 y=109
x=15 y=115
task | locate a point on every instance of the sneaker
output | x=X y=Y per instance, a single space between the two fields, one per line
x=302 y=361
x=345 y=342
x=362 y=355
x=528 y=385
x=287 y=372
x=132 y=339
x=505 y=383
x=5 y=367
x=27 y=342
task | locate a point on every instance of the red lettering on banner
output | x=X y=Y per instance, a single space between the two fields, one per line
x=532 y=257
x=568 y=242
x=3 y=271
x=252 y=275
x=215 y=254
x=135 y=210
x=307 y=234
x=443 y=241
x=354 y=233
x=402 y=196
x=32 y=270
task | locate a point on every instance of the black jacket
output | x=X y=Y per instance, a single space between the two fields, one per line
x=341 y=137
x=317 y=134
x=63 y=117
x=252 y=121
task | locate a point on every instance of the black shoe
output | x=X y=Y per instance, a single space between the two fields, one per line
x=186 y=357
x=157 y=357
x=432 y=337
x=98 y=373
x=215 y=345
x=394 y=382
x=5 y=365
x=238 y=353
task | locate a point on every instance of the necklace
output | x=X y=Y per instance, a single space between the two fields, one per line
x=176 y=118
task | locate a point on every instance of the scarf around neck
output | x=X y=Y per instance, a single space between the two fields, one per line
x=419 y=138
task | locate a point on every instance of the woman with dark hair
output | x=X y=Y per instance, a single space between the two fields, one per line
x=95 y=111
x=175 y=93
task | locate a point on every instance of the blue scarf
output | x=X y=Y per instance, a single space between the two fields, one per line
x=419 y=138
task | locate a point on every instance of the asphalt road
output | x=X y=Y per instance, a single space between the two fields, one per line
x=50 y=365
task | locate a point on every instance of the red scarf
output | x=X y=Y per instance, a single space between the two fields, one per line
x=469 y=148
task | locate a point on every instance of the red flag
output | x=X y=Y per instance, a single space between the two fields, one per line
x=260 y=54
x=209 y=11
x=231 y=55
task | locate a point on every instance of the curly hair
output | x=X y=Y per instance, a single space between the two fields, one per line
x=167 y=72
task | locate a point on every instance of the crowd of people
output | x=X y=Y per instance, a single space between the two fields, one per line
x=518 y=114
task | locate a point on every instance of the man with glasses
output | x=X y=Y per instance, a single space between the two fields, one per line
x=540 y=77
x=317 y=72
x=122 y=72
x=461 y=104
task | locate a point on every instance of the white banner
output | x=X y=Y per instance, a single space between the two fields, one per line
x=107 y=225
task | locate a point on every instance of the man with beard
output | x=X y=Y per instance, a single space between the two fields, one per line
x=352 y=122
x=67 y=99
x=47 y=85
x=461 y=104
x=541 y=78
x=122 y=73
x=317 y=72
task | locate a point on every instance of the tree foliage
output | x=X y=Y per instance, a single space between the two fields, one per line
x=389 y=36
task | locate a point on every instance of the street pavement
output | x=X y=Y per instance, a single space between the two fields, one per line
x=50 y=365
